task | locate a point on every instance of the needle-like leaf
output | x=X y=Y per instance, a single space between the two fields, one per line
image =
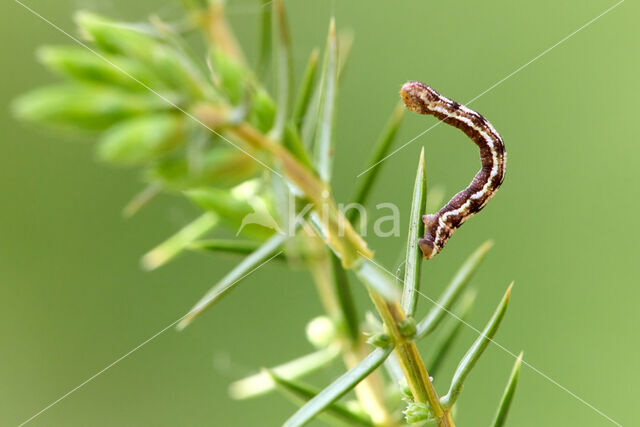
x=270 y=249
x=236 y=246
x=413 y=256
x=324 y=138
x=175 y=244
x=294 y=144
x=377 y=278
x=365 y=183
x=444 y=346
x=507 y=397
x=303 y=393
x=338 y=388
x=262 y=383
x=140 y=200
x=265 y=38
x=345 y=41
x=284 y=69
x=305 y=89
x=345 y=299
x=473 y=354
x=453 y=291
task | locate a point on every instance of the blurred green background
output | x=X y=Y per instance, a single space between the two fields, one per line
x=73 y=298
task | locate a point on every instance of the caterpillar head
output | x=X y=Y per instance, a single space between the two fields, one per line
x=417 y=96
x=426 y=244
x=428 y=248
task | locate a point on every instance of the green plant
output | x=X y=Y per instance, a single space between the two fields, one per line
x=211 y=131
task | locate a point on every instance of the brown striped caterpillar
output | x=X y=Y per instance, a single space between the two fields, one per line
x=422 y=99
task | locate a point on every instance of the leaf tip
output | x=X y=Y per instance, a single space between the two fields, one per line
x=398 y=113
x=185 y=321
x=487 y=245
x=507 y=294
x=313 y=58
x=152 y=260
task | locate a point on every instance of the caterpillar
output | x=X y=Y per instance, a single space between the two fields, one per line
x=439 y=227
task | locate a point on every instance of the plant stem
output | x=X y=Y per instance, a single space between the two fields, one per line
x=409 y=357
x=370 y=391
x=220 y=34
x=349 y=245
x=446 y=420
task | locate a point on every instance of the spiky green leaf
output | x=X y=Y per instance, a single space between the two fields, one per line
x=262 y=383
x=453 y=291
x=413 y=257
x=365 y=182
x=345 y=299
x=236 y=246
x=305 y=90
x=300 y=392
x=324 y=138
x=507 y=397
x=175 y=244
x=266 y=39
x=473 y=354
x=338 y=388
x=377 y=278
x=294 y=144
x=269 y=250
x=284 y=69
x=445 y=343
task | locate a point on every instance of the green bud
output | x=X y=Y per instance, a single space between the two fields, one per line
x=231 y=77
x=84 y=106
x=114 y=37
x=82 y=64
x=142 y=139
x=174 y=68
x=239 y=85
x=263 y=110
x=321 y=331
x=407 y=327
x=219 y=166
x=233 y=208
x=406 y=391
x=416 y=412
x=379 y=340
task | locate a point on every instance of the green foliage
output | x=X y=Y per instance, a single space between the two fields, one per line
x=204 y=127
x=144 y=138
x=85 y=106
x=338 y=388
x=416 y=412
x=78 y=63
x=413 y=259
x=509 y=392
x=473 y=354
x=302 y=393
x=262 y=383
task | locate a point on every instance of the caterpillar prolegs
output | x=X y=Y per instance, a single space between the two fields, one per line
x=439 y=227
